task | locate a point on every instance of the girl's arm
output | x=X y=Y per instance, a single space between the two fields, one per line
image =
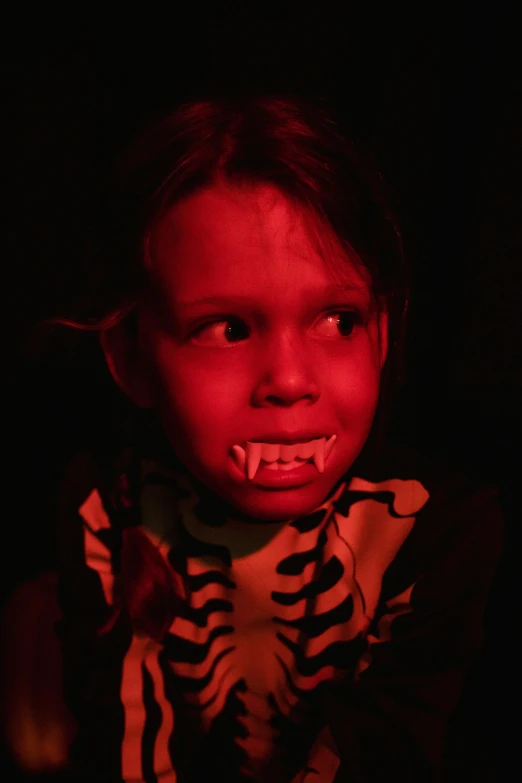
x=37 y=726
x=393 y=723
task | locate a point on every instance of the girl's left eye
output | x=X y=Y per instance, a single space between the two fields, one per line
x=232 y=329
x=344 y=320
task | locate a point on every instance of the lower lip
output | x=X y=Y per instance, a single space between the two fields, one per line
x=298 y=476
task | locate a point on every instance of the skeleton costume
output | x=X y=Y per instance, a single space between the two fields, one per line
x=321 y=649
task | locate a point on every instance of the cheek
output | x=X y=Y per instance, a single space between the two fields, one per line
x=193 y=401
x=354 y=382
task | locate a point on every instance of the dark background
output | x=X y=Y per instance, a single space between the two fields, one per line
x=434 y=95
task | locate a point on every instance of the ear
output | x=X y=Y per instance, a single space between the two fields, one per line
x=122 y=354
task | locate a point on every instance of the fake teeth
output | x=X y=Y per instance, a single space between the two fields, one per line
x=285 y=465
x=293 y=454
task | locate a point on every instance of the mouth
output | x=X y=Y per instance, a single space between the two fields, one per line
x=282 y=456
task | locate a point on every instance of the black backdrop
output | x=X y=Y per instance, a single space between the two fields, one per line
x=435 y=97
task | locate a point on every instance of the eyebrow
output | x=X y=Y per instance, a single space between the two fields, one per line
x=331 y=292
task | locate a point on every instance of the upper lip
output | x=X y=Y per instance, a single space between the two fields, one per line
x=288 y=438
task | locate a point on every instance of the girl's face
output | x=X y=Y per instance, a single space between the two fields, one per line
x=247 y=337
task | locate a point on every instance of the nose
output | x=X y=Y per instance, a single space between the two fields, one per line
x=287 y=375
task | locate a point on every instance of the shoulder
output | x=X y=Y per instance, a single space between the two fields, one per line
x=458 y=529
x=444 y=484
x=104 y=458
x=84 y=518
x=91 y=471
x=461 y=503
x=79 y=477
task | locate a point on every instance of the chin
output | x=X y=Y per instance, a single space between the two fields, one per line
x=263 y=504
x=277 y=505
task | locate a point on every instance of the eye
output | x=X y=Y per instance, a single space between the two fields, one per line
x=220 y=331
x=342 y=322
x=229 y=330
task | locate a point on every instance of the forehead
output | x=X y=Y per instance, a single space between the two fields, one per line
x=251 y=237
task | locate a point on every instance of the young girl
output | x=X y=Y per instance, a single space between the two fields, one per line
x=255 y=584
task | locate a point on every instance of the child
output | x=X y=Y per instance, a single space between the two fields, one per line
x=255 y=584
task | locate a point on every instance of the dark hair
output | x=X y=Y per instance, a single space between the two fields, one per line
x=288 y=142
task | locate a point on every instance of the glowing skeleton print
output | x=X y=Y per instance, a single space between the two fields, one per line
x=270 y=612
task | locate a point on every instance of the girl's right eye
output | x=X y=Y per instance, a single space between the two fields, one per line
x=213 y=332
